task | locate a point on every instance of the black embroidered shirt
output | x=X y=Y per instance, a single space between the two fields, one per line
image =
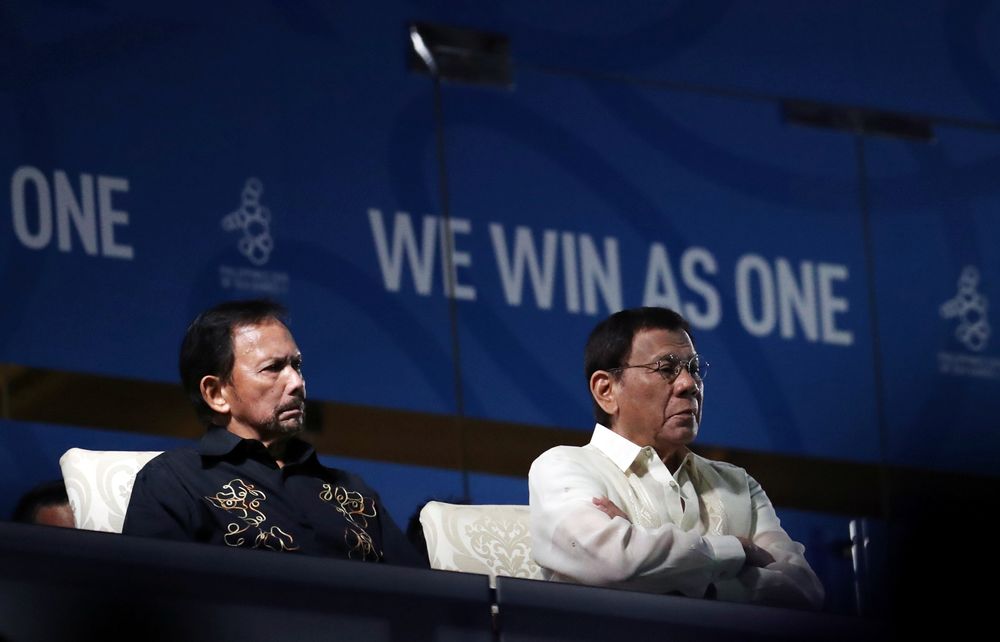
x=230 y=491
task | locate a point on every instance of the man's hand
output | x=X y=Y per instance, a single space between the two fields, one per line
x=609 y=508
x=756 y=556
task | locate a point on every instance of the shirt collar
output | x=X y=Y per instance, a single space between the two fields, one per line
x=687 y=464
x=623 y=452
x=618 y=449
x=219 y=442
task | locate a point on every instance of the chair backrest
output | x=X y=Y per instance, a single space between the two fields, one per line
x=99 y=484
x=489 y=539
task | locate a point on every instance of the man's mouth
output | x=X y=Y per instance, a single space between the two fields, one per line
x=296 y=409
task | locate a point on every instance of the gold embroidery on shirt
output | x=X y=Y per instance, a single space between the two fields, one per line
x=359 y=541
x=275 y=540
x=356 y=509
x=244 y=500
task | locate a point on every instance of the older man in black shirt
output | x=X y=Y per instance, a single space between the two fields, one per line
x=251 y=483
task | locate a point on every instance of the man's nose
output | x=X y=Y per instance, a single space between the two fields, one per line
x=296 y=382
x=685 y=383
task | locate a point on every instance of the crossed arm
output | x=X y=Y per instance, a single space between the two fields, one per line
x=580 y=534
x=755 y=555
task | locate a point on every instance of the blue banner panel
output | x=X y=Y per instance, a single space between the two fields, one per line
x=158 y=162
x=161 y=159
x=572 y=199
x=920 y=56
x=936 y=231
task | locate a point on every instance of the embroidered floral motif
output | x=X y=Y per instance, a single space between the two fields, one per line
x=356 y=509
x=641 y=507
x=275 y=540
x=244 y=500
x=715 y=511
x=503 y=545
x=359 y=541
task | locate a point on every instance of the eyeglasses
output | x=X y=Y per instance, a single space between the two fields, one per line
x=669 y=367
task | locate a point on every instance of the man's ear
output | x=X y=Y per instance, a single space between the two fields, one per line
x=213 y=394
x=603 y=391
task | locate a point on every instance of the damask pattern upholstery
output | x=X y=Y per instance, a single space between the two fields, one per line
x=99 y=484
x=489 y=539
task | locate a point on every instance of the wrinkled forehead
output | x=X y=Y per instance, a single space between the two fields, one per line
x=269 y=333
x=652 y=343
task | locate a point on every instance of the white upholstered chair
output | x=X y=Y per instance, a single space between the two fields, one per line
x=489 y=539
x=99 y=484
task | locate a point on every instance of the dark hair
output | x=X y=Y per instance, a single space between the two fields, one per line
x=207 y=348
x=610 y=343
x=50 y=493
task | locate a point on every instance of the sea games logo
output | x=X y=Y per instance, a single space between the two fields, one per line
x=251 y=221
x=968 y=310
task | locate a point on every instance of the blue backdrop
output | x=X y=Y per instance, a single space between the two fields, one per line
x=158 y=159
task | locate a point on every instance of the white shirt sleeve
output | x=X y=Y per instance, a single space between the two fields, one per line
x=789 y=580
x=575 y=541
